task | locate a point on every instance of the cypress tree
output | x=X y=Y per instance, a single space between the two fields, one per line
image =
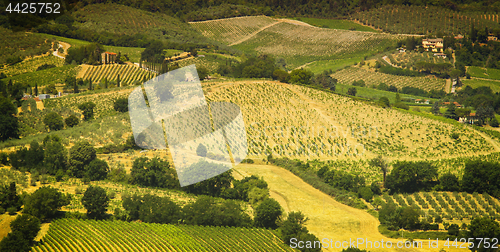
x=118 y=80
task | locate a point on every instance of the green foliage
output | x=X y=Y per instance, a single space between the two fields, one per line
x=121 y=104
x=384 y=102
x=352 y=91
x=9 y=197
x=54 y=121
x=80 y=156
x=359 y=83
x=45 y=202
x=96 y=201
x=256 y=67
x=97 y=170
x=55 y=155
x=71 y=121
x=14 y=242
x=324 y=80
x=214 y=186
x=281 y=75
x=206 y=211
x=201 y=150
x=293 y=230
x=152 y=209
x=153 y=173
x=483 y=227
x=87 y=110
x=89 y=54
x=301 y=76
x=9 y=126
x=394 y=217
x=449 y=182
x=481 y=176
x=407 y=176
x=202 y=72
x=267 y=214
x=365 y=193
x=27 y=225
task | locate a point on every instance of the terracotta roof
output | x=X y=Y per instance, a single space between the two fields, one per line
x=472 y=114
x=110 y=53
x=37 y=99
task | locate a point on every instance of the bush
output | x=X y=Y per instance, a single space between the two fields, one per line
x=97 y=170
x=12 y=210
x=72 y=121
x=54 y=121
x=401 y=105
x=121 y=105
x=365 y=193
x=267 y=213
x=201 y=150
x=88 y=110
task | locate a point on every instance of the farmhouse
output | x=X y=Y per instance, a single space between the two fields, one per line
x=108 y=57
x=435 y=45
x=471 y=118
x=422 y=101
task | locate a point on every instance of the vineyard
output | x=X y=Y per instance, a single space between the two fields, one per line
x=21 y=44
x=419 y=20
x=90 y=235
x=128 y=73
x=486 y=73
x=298 y=44
x=409 y=59
x=350 y=74
x=448 y=205
x=231 y=30
x=299 y=122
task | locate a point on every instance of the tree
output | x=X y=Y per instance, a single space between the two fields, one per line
x=293 y=231
x=384 y=102
x=36 y=90
x=365 y=193
x=27 y=225
x=267 y=214
x=87 y=109
x=411 y=177
x=118 y=80
x=121 y=105
x=71 y=121
x=158 y=173
x=201 y=150
x=352 y=91
x=97 y=170
x=96 y=202
x=380 y=163
x=54 y=121
x=14 y=242
x=449 y=182
x=90 y=84
x=202 y=72
x=45 y=202
x=152 y=209
x=55 y=156
x=207 y=211
x=450 y=112
x=9 y=197
x=281 y=75
x=80 y=156
x=483 y=227
x=9 y=126
x=435 y=108
x=481 y=176
x=301 y=76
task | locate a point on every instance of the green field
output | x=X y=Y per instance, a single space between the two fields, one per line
x=486 y=73
x=376 y=94
x=90 y=235
x=336 y=24
x=475 y=83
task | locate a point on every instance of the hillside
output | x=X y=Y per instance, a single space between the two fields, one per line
x=298 y=43
x=403 y=19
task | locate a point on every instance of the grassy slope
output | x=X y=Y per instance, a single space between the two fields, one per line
x=486 y=73
x=475 y=83
x=120 y=19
